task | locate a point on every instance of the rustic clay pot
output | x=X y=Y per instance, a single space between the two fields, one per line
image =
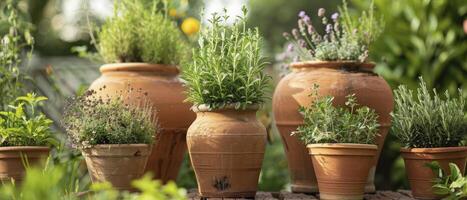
x=420 y=176
x=165 y=92
x=226 y=148
x=337 y=79
x=11 y=161
x=342 y=169
x=118 y=164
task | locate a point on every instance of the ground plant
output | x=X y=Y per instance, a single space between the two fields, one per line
x=452 y=186
x=424 y=119
x=24 y=125
x=345 y=38
x=90 y=120
x=227 y=68
x=326 y=123
x=141 y=32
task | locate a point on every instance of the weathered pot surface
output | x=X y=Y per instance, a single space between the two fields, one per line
x=421 y=177
x=342 y=169
x=11 y=160
x=337 y=79
x=165 y=91
x=118 y=164
x=226 y=148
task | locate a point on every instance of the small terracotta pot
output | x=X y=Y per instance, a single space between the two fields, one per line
x=421 y=177
x=337 y=79
x=226 y=148
x=11 y=161
x=118 y=164
x=342 y=169
x=165 y=91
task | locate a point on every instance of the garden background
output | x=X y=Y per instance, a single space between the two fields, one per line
x=422 y=38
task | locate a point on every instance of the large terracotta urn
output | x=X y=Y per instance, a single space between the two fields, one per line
x=165 y=91
x=226 y=148
x=337 y=79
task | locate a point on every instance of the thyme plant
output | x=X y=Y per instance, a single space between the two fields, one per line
x=424 y=120
x=91 y=120
x=140 y=32
x=345 y=38
x=23 y=125
x=227 y=67
x=325 y=123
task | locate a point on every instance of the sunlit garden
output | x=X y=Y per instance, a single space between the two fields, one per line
x=244 y=99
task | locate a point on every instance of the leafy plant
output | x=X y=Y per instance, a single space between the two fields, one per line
x=23 y=125
x=452 y=186
x=325 y=123
x=227 y=67
x=13 y=43
x=91 y=120
x=424 y=120
x=141 y=32
x=345 y=38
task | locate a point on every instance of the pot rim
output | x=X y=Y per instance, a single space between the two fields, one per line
x=27 y=148
x=367 y=66
x=343 y=146
x=433 y=150
x=140 y=67
x=109 y=146
x=205 y=108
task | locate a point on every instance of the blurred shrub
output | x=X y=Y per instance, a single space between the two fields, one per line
x=422 y=38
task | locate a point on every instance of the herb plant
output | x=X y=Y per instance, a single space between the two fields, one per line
x=23 y=125
x=345 y=38
x=326 y=123
x=451 y=187
x=140 y=32
x=91 y=120
x=227 y=67
x=424 y=120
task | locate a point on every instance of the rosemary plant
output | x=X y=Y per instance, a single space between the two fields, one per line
x=425 y=120
x=227 y=67
x=325 y=123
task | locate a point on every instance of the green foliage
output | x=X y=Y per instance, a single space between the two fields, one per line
x=344 y=38
x=23 y=125
x=325 y=123
x=140 y=32
x=427 y=121
x=91 y=120
x=451 y=187
x=17 y=39
x=227 y=67
x=425 y=39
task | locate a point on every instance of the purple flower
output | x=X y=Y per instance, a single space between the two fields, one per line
x=302 y=14
x=286 y=35
x=321 y=12
x=295 y=33
x=328 y=28
x=307 y=20
x=335 y=16
x=302 y=43
x=311 y=29
x=290 y=48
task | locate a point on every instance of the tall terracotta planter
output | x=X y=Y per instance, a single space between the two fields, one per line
x=118 y=164
x=11 y=160
x=342 y=169
x=421 y=177
x=337 y=79
x=165 y=91
x=226 y=147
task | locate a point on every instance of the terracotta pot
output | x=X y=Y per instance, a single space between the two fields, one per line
x=342 y=169
x=420 y=176
x=337 y=79
x=12 y=161
x=165 y=91
x=226 y=148
x=118 y=164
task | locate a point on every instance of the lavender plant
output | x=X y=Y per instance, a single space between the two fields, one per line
x=326 y=123
x=227 y=67
x=344 y=38
x=91 y=120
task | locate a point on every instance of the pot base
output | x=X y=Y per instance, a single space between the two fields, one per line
x=340 y=197
x=229 y=195
x=304 y=189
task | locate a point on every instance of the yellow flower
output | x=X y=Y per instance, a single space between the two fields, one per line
x=190 y=26
x=173 y=12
